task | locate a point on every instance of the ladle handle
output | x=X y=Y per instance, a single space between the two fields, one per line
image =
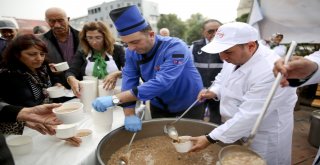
x=128 y=149
x=190 y=107
x=270 y=95
x=185 y=111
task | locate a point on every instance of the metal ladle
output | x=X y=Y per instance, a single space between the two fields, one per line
x=171 y=130
x=232 y=149
x=124 y=159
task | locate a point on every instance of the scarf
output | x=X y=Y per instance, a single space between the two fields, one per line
x=100 y=65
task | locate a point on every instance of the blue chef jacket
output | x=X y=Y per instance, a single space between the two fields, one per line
x=171 y=81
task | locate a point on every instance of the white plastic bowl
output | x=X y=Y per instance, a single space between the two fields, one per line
x=61 y=66
x=20 y=145
x=184 y=144
x=70 y=112
x=55 y=92
x=64 y=131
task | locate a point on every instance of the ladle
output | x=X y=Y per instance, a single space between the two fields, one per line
x=125 y=158
x=245 y=148
x=171 y=130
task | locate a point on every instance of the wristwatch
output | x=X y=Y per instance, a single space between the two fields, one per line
x=115 y=100
x=210 y=139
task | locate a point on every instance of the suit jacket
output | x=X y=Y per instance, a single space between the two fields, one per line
x=54 y=52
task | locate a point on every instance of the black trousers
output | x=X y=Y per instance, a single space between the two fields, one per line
x=195 y=113
x=214 y=108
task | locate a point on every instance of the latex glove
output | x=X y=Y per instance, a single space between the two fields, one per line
x=132 y=123
x=101 y=104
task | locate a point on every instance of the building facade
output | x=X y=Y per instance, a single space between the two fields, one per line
x=78 y=23
x=101 y=12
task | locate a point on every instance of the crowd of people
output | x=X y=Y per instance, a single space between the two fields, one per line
x=228 y=72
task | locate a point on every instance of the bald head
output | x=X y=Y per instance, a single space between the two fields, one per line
x=58 y=21
x=55 y=11
x=164 y=32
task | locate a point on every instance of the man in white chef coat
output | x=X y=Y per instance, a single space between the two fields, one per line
x=242 y=87
x=300 y=71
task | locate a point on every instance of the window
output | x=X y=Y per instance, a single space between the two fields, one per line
x=139 y=4
x=111 y=7
x=119 y=5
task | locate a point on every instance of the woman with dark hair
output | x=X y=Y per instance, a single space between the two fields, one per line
x=100 y=57
x=24 y=78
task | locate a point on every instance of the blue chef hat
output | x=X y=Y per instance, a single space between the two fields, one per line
x=128 y=20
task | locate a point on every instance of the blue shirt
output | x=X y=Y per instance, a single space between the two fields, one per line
x=171 y=81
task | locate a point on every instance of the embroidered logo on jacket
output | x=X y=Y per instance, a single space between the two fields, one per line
x=177 y=58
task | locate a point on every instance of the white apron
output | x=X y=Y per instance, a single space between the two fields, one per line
x=111 y=65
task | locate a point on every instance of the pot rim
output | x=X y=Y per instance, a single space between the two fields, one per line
x=111 y=133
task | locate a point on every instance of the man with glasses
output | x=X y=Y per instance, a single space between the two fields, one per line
x=242 y=87
x=62 y=40
x=208 y=65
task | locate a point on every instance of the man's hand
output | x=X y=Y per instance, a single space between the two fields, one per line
x=297 y=68
x=132 y=123
x=205 y=94
x=199 y=143
x=102 y=103
x=74 y=84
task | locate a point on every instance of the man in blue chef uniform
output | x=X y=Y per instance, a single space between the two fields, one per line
x=171 y=81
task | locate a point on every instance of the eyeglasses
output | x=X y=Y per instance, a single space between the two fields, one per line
x=97 y=38
x=212 y=31
x=53 y=21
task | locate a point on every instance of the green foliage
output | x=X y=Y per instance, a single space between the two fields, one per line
x=304 y=49
x=194 y=27
x=243 y=18
x=173 y=23
x=188 y=31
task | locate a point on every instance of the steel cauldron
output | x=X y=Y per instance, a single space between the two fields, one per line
x=120 y=137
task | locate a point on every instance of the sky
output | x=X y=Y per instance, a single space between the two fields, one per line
x=223 y=10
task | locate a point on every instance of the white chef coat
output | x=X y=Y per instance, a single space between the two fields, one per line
x=242 y=93
x=315 y=57
x=281 y=50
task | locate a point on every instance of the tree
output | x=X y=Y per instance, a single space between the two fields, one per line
x=243 y=18
x=194 y=27
x=173 y=23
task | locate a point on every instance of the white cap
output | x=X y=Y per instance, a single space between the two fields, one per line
x=229 y=35
x=7 y=24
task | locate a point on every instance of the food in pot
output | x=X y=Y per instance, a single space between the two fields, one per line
x=242 y=158
x=159 y=150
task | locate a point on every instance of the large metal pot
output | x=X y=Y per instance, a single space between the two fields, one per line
x=314 y=132
x=120 y=137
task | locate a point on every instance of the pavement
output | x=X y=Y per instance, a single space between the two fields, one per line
x=303 y=153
